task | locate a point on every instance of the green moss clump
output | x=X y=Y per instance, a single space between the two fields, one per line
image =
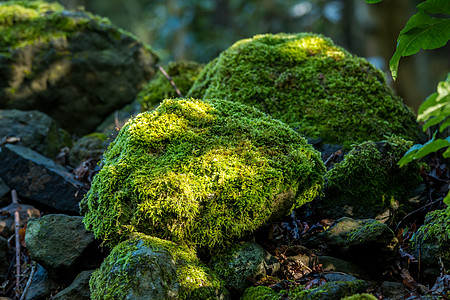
x=132 y=268
x=32 y=22
x=432 y=240
x=200 y=173
x=334 y=290
x=368 y=181
x=260 y=293
x=316 y=87
x=364 y=296
x=183 y=73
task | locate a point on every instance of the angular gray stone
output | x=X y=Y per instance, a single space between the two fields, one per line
x=78 y=290
x=62 y=245
x=39 y=179
x=36 y=131
x=41 y=286
x=4 y=261
x=7 y=224
x=366 y=242
x=242 y=261
x=76 y=75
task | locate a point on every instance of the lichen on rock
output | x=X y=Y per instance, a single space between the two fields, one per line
x=200 y=172
x=146 y=267
x=183 y=73
x=305 y=80
x=368 y=183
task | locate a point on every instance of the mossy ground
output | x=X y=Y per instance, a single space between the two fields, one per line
x=183 y=73
x=117 y=275
x=200 y=172
x=369 y=180
x=32 y=22
x=318 y=88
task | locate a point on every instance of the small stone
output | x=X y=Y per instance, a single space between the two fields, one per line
x=241 y=262
x=39 y=179
x=394 y=290
x=78 y=290
x=41 y=286
x=62 y=245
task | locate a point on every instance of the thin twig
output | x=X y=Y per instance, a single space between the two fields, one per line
x=30 y=280
x=417 y=210
x=171 y=81
x=15 y=200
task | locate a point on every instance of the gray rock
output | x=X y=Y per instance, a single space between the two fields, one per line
x=62 y=246
x=4 y=261
x=36 y=131
x=339 y=277
x=4 y=193
x=39 y=179
x=7 y=224
x=41 y=286
x=394 y=291
x=431 y=242
x=334 y=290
x=146 y=267
x=242 y=261
x=89 y=146
x=365 y=242
x=78 y=73
x=78 y=290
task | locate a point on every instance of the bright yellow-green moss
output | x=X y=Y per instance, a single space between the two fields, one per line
x=334 y=290
x=183 y=73
x=369 y=181
x=200 y=173
x=32 y=22
x=260 y=293
x=316 y=87
x=122 y=271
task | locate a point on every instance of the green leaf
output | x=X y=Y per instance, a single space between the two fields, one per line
x=435 y=7
x=436 y=108
x=373 y=1
x=421 y=32
x=447 y=199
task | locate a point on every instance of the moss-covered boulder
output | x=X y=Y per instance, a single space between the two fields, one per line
x=368 y=183
x=183 y=73
x=335 y=290
x=431 y=243
x=89 y=146
x=316 y=87
x=260 y=293
x=74 y=66
x=200 y=172
x=146 y=267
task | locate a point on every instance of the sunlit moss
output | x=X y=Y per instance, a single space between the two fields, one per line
x=131 y=262
x=183 y=73
x=200 y=173
x=318 y=88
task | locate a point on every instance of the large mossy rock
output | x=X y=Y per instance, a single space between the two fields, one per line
x=200 y=172
x=316 y=87
x=368 y=183
x=73 y=66
x=183 y=73
x=146 y=267
x=431 y=244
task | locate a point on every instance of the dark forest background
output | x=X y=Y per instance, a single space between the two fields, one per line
x=200 y=29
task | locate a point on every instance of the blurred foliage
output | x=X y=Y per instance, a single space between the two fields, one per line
x=200 y=29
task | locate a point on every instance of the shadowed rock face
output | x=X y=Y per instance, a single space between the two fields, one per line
x=74 y=66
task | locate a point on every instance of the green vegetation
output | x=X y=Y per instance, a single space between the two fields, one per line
x=118 y=278
x=363 y=296
x=316 y=87
x=200 y=173
x=183 y=73
x=369 y=180
x=260 y=293
x=31 y=22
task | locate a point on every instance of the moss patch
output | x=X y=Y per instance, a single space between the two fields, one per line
x=316 y=87
x=183 y=73
x=260 y=293
x=368 y=181
x=200 y=172
x=132 y=268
